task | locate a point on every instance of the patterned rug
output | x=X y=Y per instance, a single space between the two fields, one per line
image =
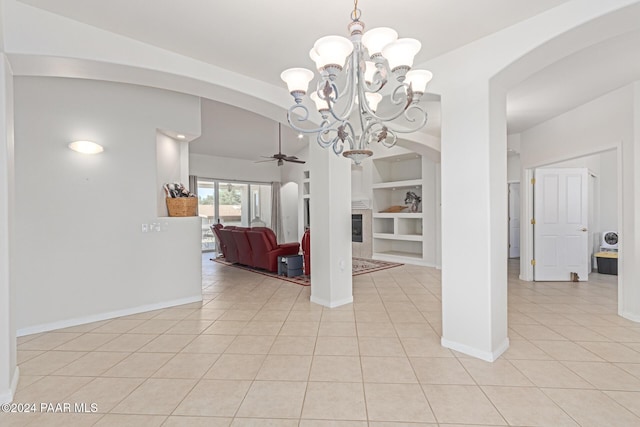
x=359 y=266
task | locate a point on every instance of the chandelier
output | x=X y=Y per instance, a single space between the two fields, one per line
x=369 y=67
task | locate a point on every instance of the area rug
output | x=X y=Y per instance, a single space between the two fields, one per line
x=359 y=266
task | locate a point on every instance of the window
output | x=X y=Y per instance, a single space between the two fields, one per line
x=244 y=204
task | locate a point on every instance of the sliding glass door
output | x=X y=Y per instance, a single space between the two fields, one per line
x=244 y=204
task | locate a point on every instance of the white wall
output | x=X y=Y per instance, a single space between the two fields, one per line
x=234 y=169
x=78 y=217
x=513 y=168
x=8 y=364
x=606 y=123
x=168 y=169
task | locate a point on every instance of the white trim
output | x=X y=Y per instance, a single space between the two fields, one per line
x=630 y=316
x=7 y=396
x=105 y=316
x=483 y=355
x=331 y=304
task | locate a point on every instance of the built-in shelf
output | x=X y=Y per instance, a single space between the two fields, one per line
x=397 y=236
x=410 y=183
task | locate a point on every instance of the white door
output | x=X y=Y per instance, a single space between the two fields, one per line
x=514 y=220
x=561 y=243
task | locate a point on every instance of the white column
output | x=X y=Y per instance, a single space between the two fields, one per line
x=629 y=286
x=474 y=221
x=330 y=189
x=8 y=366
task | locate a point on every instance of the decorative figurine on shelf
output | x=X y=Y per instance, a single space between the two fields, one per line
x=414 y=199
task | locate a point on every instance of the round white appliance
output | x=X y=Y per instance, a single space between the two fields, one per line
x=609 y=240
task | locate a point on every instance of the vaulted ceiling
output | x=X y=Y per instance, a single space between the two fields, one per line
x=259 y=39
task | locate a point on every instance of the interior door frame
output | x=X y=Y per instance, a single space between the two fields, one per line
x=509 y=182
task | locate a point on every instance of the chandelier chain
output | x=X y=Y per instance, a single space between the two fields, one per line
x=355 y=15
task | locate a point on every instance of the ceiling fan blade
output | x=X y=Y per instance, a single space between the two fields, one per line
x=263 y=161
x=295 y=161
x=290 y=158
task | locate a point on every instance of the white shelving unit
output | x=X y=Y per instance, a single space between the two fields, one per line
x=397 y=236
x=306 y=198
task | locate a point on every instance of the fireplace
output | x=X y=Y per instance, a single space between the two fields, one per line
x=356 y=228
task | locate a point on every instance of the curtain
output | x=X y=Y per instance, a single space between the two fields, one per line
x=276 y=212
x=193 y=186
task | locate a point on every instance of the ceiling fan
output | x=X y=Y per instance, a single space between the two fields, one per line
x=281 y=158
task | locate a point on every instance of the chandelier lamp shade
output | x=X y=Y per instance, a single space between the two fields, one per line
x=375 y=67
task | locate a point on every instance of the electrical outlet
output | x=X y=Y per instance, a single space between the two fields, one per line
x=145 y=228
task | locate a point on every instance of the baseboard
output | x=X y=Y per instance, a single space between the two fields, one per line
x=330 y=304
x=629 y=316
x=474 y=352
x=7 y=396
x=45 y=327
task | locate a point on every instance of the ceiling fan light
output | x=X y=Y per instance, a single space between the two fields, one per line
x=377 y=38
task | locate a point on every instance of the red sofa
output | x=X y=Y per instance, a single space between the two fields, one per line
x=255 y=247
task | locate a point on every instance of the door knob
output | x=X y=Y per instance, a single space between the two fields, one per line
x=583 y=229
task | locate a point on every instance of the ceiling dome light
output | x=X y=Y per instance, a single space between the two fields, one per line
x=86 y=147
x=180 y=136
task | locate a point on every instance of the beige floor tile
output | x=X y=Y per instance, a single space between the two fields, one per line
x=383 y=346
x=448 y=400
x=217 y=398
x=25 y=355
x=304 y=316
x=206 y=313
x=592 y=408
x=263 y=422
x=632 y=368
x=577 y=333
x=26 y=380
x=121 y=420
x=414 y=330
x=52 y=419
x=376 y=329
x=337 y=329
x=209 y=344
x=605 y=376
x=15 y=419
x=537 y=332
x=293 y=345
x=259 y=327
x=567 y=350
x=92 y=364
x=628 y=399
x=245 y=315
x=336 y=368
x=524 y=350
x=190 y=327
x=332 y=315
x=138 y=365
x=168 y=343
x=48 y=341
x=527 y=406
x=236 y=367
x=154 y=326
x=87 y=342
x=268 y=315
x=397 y=402
x=300 y=329
x=127 y=342
x=49 y=362
x=396 y=370
x=118 y=326
x=106 y=393
x=50 y=389
x=285 y=368
x=156 y=396
x=364 y=316
x=185 y=421
x=334 y=401
x=187 y=365
x=612 y=352
x=251 y=345
x=337 y=346
x=273 y=399
x=425 y=347
x=444 y=370
x=549 y=373
x=226 y=327
x=392 y=424
x=500 y=372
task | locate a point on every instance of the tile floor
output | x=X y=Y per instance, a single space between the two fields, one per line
x=257 y=353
